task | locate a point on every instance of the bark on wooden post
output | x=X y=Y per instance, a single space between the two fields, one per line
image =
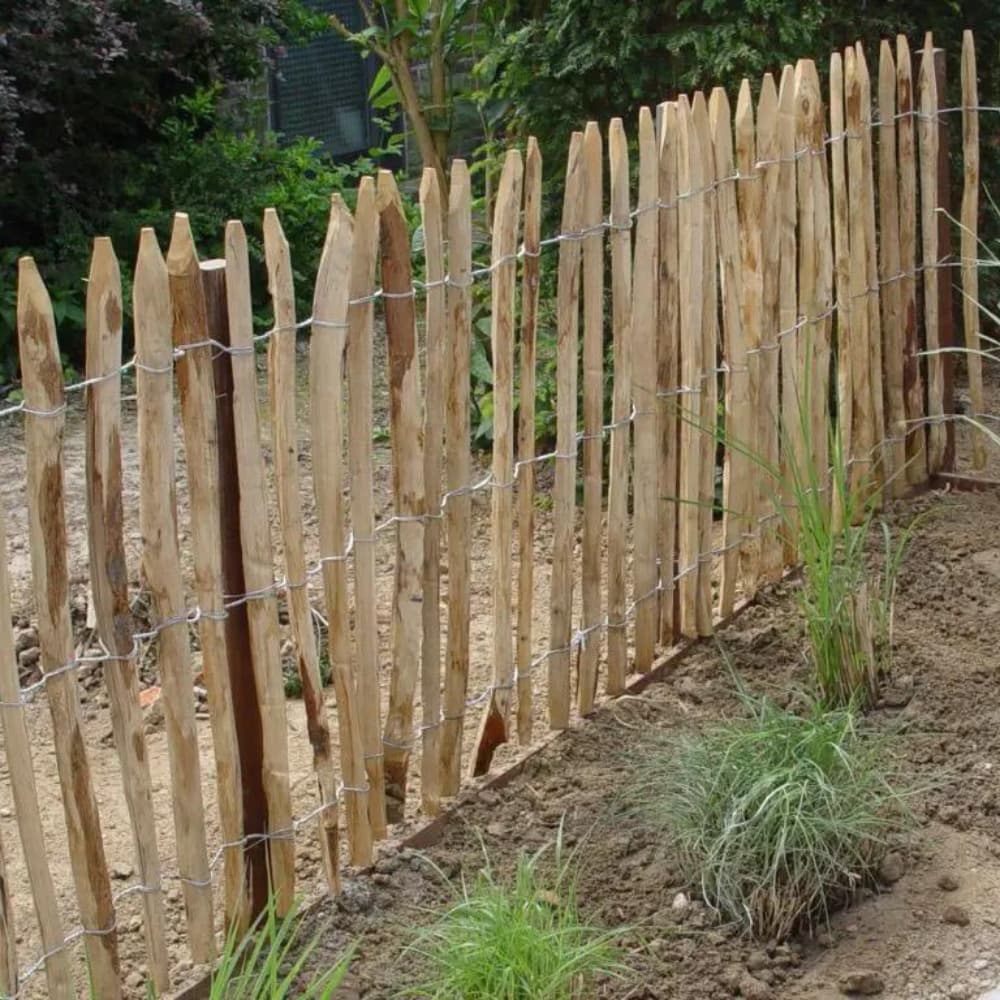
x=109 y=584
x=493 y=728
x=564 y=491
x=196 y=391
x=408 y=489
x=44 y=423
x=246 y=706
x=162 y=572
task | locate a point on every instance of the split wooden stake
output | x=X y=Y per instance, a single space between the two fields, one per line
x=564 y=499
x=913 y=388
x=109 y=585
x=44 y=423
x=526 y=438
x=405 y=408
x=593 y=411
x=162 y=574
x=621 y=404
x=458 y=464
x=970 y=239
x=644 y=372
x=360 y=335
x=494 y=726
x=326 y=410
x=431 y=218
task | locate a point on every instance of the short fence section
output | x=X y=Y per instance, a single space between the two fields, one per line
x=783 y=269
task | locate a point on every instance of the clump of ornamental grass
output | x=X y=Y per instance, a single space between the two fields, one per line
x=778 y=817
x=521 y=938
x=270 y=962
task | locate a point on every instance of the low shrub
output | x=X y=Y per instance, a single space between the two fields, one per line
x=522 y=939
x=778 y=817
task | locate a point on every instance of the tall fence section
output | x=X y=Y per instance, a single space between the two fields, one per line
x=781 y=269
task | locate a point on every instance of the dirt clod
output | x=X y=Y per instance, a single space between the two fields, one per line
x=863 y=983
x=752 y=988
x=947 y=882
x=956 y=915
x=892 y=868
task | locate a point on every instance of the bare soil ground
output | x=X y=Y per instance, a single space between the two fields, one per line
x=930 y=931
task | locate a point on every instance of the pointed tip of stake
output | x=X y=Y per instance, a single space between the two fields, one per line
x=181 y=253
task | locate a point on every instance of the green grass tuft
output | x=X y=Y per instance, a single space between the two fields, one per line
x=269 y=963
x=523 y=939
x=778 y=817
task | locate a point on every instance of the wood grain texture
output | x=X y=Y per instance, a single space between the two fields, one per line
x=196 y=391
x=44 y=424
x=593 y=412
x=750 y=200
x=161 y=566
x=692 y=216
x=458 y=464
x=888 y=274
x=621 y=405
x=564 y=492
x=645 y=587
x=432 y=220
x=109 y=585
x=792 y=443
x=881 y=457
x=360 y=338
x=913 y=387
x=405 y=409
x=708 y=379
x=17 y=749
x=495 y=723
x=863 y=430
x=326 y=410
x=929 y=138
x=769 y=166
x=969 y=241
x=736 y=474
x=668 y=369
x=284 y=434
x=530 y=287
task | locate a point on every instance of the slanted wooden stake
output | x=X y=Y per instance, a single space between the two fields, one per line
x=888 y=272
x=621 y=306
x=769 y=167
x=929 y=138
x=405 y=408
x=564 y=493
x=792 y=441
x=44 y=422
x=196 y=390
x=708 y=379
x=970 y=238
x=282 y=395
x=691 y=181
x=360 y=334
x=458 y=464
x=750 y=196
x=668 y=369
x=8 y=935
x=326 y=405
x=526 y=437
x=913 y=387
x=109 y=584
x=593 y=411
x=736 y=470
x=162 y=573
x=645 y=586
x=842 y=255
x=434 y=402
x=493 y=728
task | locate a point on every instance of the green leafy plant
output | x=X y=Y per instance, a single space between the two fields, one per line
x=270 y=962
x=522 y=939
x=777 y=817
